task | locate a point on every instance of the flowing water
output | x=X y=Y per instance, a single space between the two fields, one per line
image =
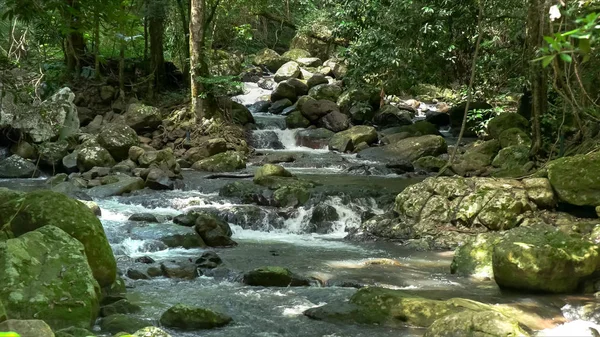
x=271 y=237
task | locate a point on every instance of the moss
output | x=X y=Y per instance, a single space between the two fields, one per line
x=119 y=323
x=575 y=179
x=506 y=121
x=42 y=208
x=73 y=332
x=420 y=128
x=269 y=170
x=291 y=196
x=475 y=324
x=223 y=162
x=514 y=137
x=474 y=258
x=184 y=317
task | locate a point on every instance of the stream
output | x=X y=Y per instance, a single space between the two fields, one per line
x=275 y=240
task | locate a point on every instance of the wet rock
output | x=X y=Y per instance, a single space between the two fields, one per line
x=69 y=162
x=142 y=117
x=180 y=270
x=260 y=106
x=301 y=87
x=270 y=59
x=430 y=164
x=26 y=328
x=24 y=150
x=240 y=114
x=438 y=118
x=145 y=260
x=296 y=120
x=183 y=240
x=317 y=79
x=329 y=92
x=266 y=83
x=183 y=317
x=276 y=158
x=117 y=139
x=159 y=180
x=48 y=208
x=135 y=274
x=289 y=70
x=574 y=179
x=96 y=172
x=270 y=170
x=154 y=271
x=144 y=217
x=124 y=185
x=314 y=110
x=248 y=192
x=119 y=322
x=389 y=116
x=486 y=323
x=284 y=90
x=335 y=121
x=57 y=179
x=407 y=150
x=187 y=220
x=209 y=260
x=278 y=106
x=214 y=232
x=38 y=258
x=119 y=307
x=91 y=156
x=17 y=167
x=223 y=162
x=151 y=332
x=542 y=258
x=322 y=219
x=346 y=140
x=314 y=138
x=274 y=277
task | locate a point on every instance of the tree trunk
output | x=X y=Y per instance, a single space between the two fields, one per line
x=156 y=24
x=75 y=41
x=186 y=30
x=536 y=27
x=97 y=46
x=198 y=66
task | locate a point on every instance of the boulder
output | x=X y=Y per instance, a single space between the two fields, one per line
x=24 y=150
x=296 y=120
x=291 y=196
x=123 y=185
x=284 y=90
x=335 y=121
x=142 y=117
x=279 y=106
x=117 y=139
x=514 y=137
x=274 y=277
x=438 y=118
x=314 y=110
x=361 y=113
x=107 y=93
x=240 y=114
x=210 y=148
x=346 y=140
x=158 y=180
x=317 y=40
x=26 y=328
x=407 y=150
x=49 y=271
x=17 y=167
x=73 y=332
x=214 y=232
x=497 y=125
x=512 y=161
x=91 y=156
x=209 y=260
x=338 y=68
x=285 y=72
x=183 y=317
x=270 y=59
x=430 y=164
x=46 y=208
x=367 y=95
x=223 y=162
x=52 y=153
x=474 y=257
x=476 y=158
x=471 y=323
x=85 y=115
x=457 y=114
x=310 y=62
x=69 y=162
x=543 y=259
x=389 y=116
x=322 y=218
x=120 y=307
x=164 y=159
x=330 y=92
x=301 y=87
x=539 y=190
x=117 y=323
x=270 y=170
x=151 y=332
x=265 y=139
x=317 y=79
x=295 y=54
x=575 y=180
x=314 y=138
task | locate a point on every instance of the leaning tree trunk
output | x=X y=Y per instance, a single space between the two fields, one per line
x=537 y=24
x=156 y=24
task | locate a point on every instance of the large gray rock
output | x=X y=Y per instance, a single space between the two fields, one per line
x=52 y=153
x=330 y=92
x=214 y=232
x=389 y=116
x=54 y=118
x=27 y=328
x=407 y=150
x=270 y=59
x=335 y=121
x=124 y=185
x=92 y=156
x=117 y=139
x=17 y=167
x=347 y=140
x=184 y=317
x=575 y=180
x=314 y=110
x=47 y=276
x=284 y=90
x=141 y=117
x=287 y=71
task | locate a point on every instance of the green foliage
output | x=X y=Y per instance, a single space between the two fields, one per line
x=219 y=86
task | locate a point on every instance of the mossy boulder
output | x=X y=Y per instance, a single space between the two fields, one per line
x=296 y=54
x=430 y=164
x=91 y=156
x=240 y=114
x=52 y=153
x=477 y=158
x=499 y=124
x=223 y=162
x=271 y=170
x=514 y=137
x=118 y=185
x=296 y=120
x=408 y=150
x=270 y=59
x=543 y=259
x=27 y=328
x=575 y=179
x=120 y=307
x=42 y=208
x=390 y=115
x=122 y=323
x=285 y=72
x=346 y=140
x=274 y=277
x=117 y=139
x=17 y=167
x=512 y=161
x=183 y=317
x=213 y=231
x=368 y=95
x=329 y=92
x=476 y=324
x=474 y=258
x=291 y=196
x=420 y=128
x=74 y=332
x=46 y=275
x=142 y=117
x=284 y=90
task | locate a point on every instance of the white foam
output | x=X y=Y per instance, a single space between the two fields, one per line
x=252 y=94
x=578 y=328
x=299 y=309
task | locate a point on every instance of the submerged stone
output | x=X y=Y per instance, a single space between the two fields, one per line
x=274 y=277
x=184 y=317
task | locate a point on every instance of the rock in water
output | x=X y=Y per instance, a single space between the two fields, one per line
x=470 y=323
x=92 y=156
x=543 y=259
x=27 y=328
x=17 y=167
x=214 y=232
x=474 y=258
x=117 y=139
x=270 y=170
x=346 y=140
x=151 y=332
x=223 y=162
x=43 y=208
x=119 y=323
x=46 y=275
x=184 y=317
x=274 y=277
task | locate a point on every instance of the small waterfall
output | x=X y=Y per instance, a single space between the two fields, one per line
x=252 y=94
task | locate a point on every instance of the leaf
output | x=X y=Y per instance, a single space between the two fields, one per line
x=584 y=46
x=549 y=39
x=547 y=60
x=566 y=57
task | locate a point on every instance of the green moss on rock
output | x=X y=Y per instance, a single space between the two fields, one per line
x=274 y=277
x=576 y=180
x=185 y=317
x=476 y=324
x=270 y=170
x=223 y=162
x=506 y=121
x=474 y=258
